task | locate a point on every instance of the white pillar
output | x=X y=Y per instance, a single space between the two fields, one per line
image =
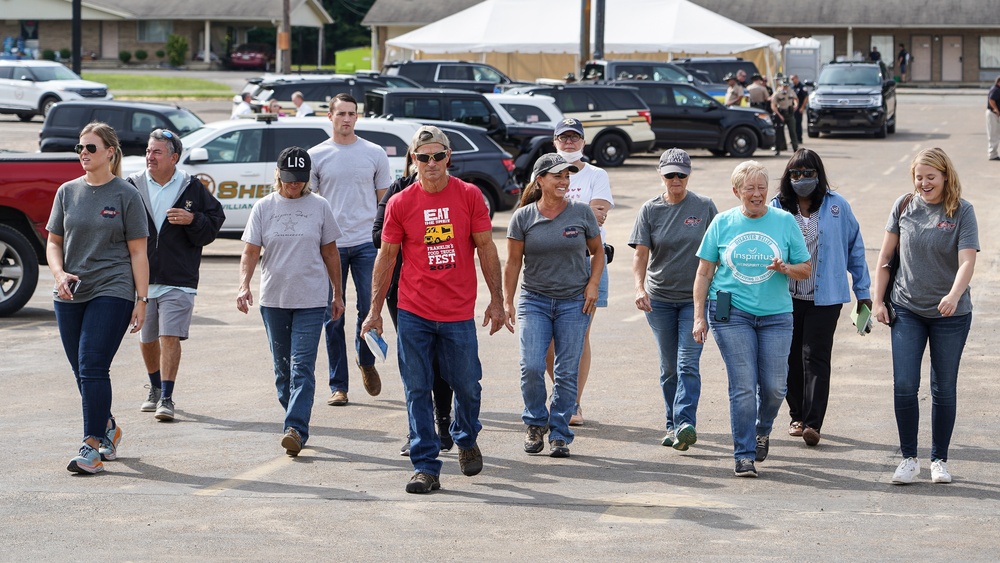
x=207 y=57
x=850 y=43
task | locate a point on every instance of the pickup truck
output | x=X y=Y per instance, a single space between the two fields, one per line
x=28 y=184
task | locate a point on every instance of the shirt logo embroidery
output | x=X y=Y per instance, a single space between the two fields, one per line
x=946 y=226
x=110 y=213
x=572 y=232
x=835 y=210
x=749 y=255
x=692 y=221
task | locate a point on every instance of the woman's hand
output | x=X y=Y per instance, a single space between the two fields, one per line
x=864 y=302
x=700 y=329
x=62 y=285
x=244 y=300
x=778 y=265
x=511 y=313
x=590 y=294
x=881 y=313
x=948 y=305
x=642 y=300
x=138 y=316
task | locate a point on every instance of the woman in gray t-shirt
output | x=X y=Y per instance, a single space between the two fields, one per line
x=551 y=235
x=97 y=254
x=937 y=238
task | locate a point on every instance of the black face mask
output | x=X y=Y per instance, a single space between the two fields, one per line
x=804 y=187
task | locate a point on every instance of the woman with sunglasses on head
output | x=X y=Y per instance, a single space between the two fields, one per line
x=937 y=237
x=833 y=238
x=96 y=251
x=551 y=235
x=666 y=236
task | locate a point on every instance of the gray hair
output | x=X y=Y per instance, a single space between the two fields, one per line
x=173 y=141
x=746 y=170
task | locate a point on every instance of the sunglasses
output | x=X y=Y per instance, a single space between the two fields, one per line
x=672 y=175
x=425 y=157
x=91 y=148
x=569 y=138
x=807 y=173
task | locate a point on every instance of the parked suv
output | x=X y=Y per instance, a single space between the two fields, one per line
x=30 y=88
x=635 y=70
x=319 y=89
x=525 y=141
x=853 y=97
x=615 y=120
x=711 y=72
x=688 y=117
x=460 y=75
x=133 y=122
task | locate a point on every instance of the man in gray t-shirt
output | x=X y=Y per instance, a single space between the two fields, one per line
x=352 y=174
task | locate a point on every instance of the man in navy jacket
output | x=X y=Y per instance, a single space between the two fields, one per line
x=183 y=217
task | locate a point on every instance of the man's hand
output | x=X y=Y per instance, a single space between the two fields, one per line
x=177 y=216
x=372 y=321
x=497 y=318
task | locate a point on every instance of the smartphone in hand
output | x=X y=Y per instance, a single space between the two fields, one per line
x=73 y=285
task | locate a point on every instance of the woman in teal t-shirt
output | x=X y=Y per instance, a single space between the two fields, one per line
x=747 y=256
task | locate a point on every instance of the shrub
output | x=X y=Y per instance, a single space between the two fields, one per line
x=65 y=54
x=177 y=48
x=49 y=55
x=125 y=56
x=141 y=55
x=160 y=53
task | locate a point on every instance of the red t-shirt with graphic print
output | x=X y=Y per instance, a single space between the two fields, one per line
x=434 y=231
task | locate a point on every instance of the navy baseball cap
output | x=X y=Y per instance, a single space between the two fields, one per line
x=569 y=124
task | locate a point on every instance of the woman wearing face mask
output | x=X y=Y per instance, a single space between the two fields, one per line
x=835 y=246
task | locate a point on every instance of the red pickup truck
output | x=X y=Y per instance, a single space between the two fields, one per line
x=28 y=184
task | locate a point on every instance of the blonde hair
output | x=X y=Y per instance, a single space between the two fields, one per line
x=278 y=183
x=109 y=137
x=937 y=159
x=748 y=169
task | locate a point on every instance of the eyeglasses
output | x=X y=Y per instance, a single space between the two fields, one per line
x=91 y=148
x=425 y=157
x=571 y=138
x=795 y=174
x=672 y=175
x=167 y=134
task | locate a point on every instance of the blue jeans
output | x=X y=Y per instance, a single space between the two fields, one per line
x=543 y=320
x=294 y=338
x=91 y=332
x=910 y=334
x=457 y=349
x=755 y=350
x=360 y=260
x=680 y=358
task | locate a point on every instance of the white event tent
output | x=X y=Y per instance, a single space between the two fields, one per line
x=529 y=39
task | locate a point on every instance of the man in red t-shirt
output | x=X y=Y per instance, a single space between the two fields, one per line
x=439 y=224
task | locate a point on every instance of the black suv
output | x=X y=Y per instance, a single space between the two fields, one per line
x=635 y=70
x=318 y=91
x=133 y=121
x=461 y=75
x=524 y=141
x=687 y=117
x=853 y=97
x=477 y=159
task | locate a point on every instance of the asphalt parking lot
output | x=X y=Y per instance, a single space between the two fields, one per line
x=215 y=485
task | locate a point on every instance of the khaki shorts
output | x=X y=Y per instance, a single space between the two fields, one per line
x=168 y=315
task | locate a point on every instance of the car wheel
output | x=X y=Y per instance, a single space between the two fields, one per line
x=18 y=270
x=610 y=150
x=880 y=134
x=813 y=133
x=46 y=106
x=741 y=143
x=25 y=116
x=489 y=197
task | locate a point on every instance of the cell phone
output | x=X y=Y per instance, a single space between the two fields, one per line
x=723 y=302
x=73 y=285
x=892 y=313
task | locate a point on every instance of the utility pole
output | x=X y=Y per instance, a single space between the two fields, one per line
x=599 y=31
x=77 y=34
x=285 y=38
x=584 y=33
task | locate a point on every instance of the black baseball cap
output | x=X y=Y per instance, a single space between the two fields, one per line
x=294 y=165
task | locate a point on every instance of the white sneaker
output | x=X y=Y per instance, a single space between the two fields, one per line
x=939 y=472
x=907 y=471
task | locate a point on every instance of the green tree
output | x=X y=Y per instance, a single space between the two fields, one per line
x=346 y=30
x=177 y=48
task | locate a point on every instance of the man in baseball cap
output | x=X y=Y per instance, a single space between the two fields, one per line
x=294 y=165
x=429 y=134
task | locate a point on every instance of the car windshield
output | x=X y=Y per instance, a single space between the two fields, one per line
x=850 y=76
x=198 y=135
x=56 y=72
x=183 y=121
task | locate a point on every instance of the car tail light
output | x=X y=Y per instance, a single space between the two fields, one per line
x=645 y=113
x=508 y=163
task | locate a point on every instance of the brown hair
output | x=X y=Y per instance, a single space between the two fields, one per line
x=531 y=193
x=109 y=137
x=936 y=158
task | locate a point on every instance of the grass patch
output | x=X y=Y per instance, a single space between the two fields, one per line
x=158 y=85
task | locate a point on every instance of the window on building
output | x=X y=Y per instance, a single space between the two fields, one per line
x=989 y=51
x=155 y=31
x=886 y=47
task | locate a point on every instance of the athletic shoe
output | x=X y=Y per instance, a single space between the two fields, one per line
x=149 y=405
x=534 y=439
x=939 y=472
x=165 y=409
x=795 y=429
x=685 y=437
x=292 y=442
x=405 y=450
x=810 y=436
x=109 y=444
x=745 y=468
x=87 y=461
x=577 y=418
x=558 y=448
x=907 y=471
x=470 y=460
x=763 y=445
x=668 y=440
x=338 y=399
x=371 y=380
x=422 y=483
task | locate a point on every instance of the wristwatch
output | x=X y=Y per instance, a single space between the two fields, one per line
x=143 y=299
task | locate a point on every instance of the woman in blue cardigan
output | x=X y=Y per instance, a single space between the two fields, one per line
x=834 y=241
